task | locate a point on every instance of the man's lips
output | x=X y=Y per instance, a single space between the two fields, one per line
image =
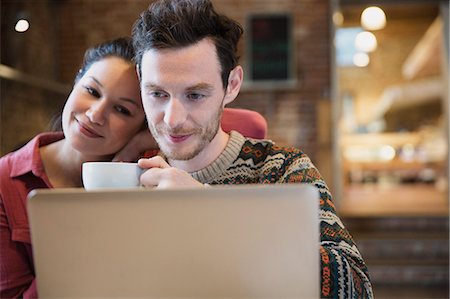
x=178 y=138
x=86 y=130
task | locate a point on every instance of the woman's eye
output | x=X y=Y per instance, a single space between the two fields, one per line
x=92 y=91
x=123 y=110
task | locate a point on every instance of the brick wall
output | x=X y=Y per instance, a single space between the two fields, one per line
x=292 y=113
x=26 y=110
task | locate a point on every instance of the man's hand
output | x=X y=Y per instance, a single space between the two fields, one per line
x=140 y=143
x=160 y=174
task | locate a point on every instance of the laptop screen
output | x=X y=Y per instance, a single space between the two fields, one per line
x=248 y=241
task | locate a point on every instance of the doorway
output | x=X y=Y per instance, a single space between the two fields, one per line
x=391 y=99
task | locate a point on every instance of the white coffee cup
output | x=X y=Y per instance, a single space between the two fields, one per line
x=107 y=175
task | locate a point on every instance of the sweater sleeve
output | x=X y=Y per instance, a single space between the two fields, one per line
x=343 y=271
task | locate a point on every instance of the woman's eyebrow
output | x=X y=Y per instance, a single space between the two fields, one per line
x=96 y=81
x=129 y=101
x=134 y=102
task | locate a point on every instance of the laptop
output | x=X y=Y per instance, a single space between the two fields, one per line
x=246 y=241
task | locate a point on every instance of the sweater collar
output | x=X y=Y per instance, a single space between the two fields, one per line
x=225 y=159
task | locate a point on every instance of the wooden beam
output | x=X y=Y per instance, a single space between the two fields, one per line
x=425 y=51
x=10 y=73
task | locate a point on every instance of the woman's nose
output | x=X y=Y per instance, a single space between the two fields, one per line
x=97 y=113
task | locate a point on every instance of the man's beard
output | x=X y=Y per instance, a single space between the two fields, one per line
x=205 y=135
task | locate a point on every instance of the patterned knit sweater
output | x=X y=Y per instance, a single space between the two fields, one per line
x=249 y=161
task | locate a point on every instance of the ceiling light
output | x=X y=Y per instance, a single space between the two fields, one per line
x=22 y=25
x=361 y=59
x=373 y=18
x=366 y=41
x=338 y=18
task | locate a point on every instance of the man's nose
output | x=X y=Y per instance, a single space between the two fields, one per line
x=175 y=113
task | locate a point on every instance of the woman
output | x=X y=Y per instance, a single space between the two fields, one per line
x=102 y=113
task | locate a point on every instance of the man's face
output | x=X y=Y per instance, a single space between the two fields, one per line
x=183 y=97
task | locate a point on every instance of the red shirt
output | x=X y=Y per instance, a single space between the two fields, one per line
x=20 y=172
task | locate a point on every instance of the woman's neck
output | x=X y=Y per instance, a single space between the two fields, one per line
x=63 y=164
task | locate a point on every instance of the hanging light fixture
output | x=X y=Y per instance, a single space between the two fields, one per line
x=366 y=41
x=361 y=59
x=373 y=18
x=22 y=21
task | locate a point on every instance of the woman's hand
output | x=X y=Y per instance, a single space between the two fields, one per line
x=133 y=150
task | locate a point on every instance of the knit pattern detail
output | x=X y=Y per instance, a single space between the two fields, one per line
x=226 y=158
x=249 y=161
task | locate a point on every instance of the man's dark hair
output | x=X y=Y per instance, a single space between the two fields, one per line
x=181 y=23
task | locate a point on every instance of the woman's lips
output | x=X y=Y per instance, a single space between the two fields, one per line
x=86 y=130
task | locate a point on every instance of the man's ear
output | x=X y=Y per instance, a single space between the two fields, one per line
x=234 y=84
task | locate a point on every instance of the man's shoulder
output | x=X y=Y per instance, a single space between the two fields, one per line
x=266 y=147
x=268 y=162
x=266 y=153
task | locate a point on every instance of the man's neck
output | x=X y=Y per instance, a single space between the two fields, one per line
x=210 y=153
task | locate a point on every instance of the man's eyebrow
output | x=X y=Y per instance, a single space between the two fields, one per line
x=200 y=86
x=196 y=87
x=151 y=86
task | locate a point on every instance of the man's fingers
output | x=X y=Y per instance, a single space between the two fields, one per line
x=151 y=177
x=153 y=171
x=156 y=161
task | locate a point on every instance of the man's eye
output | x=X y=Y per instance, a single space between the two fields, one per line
x=157 y=94
x=195 y=96
x=92 y=91
x=123 y=110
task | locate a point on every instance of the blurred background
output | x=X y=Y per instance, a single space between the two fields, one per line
x=365 y=93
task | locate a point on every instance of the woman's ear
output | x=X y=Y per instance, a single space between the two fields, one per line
x=234 y=84
x=138 y=71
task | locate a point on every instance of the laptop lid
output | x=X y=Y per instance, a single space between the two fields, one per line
x=247 y=241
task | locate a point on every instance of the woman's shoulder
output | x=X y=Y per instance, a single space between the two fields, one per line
x=23 y=160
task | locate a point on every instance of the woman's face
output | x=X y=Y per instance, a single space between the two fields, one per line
x=104 y=109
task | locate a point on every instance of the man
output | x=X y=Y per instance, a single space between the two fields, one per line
x=187 y=62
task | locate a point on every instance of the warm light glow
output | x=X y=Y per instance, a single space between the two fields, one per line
x=407 y=153
x=366 y=41
x=361 y=59
x=387 y=153
x=22 y=25
x=362 y=153
x=338 y=18
x=373 y=18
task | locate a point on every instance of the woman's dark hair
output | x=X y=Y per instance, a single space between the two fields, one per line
x=180 y=23
x=121 y=47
